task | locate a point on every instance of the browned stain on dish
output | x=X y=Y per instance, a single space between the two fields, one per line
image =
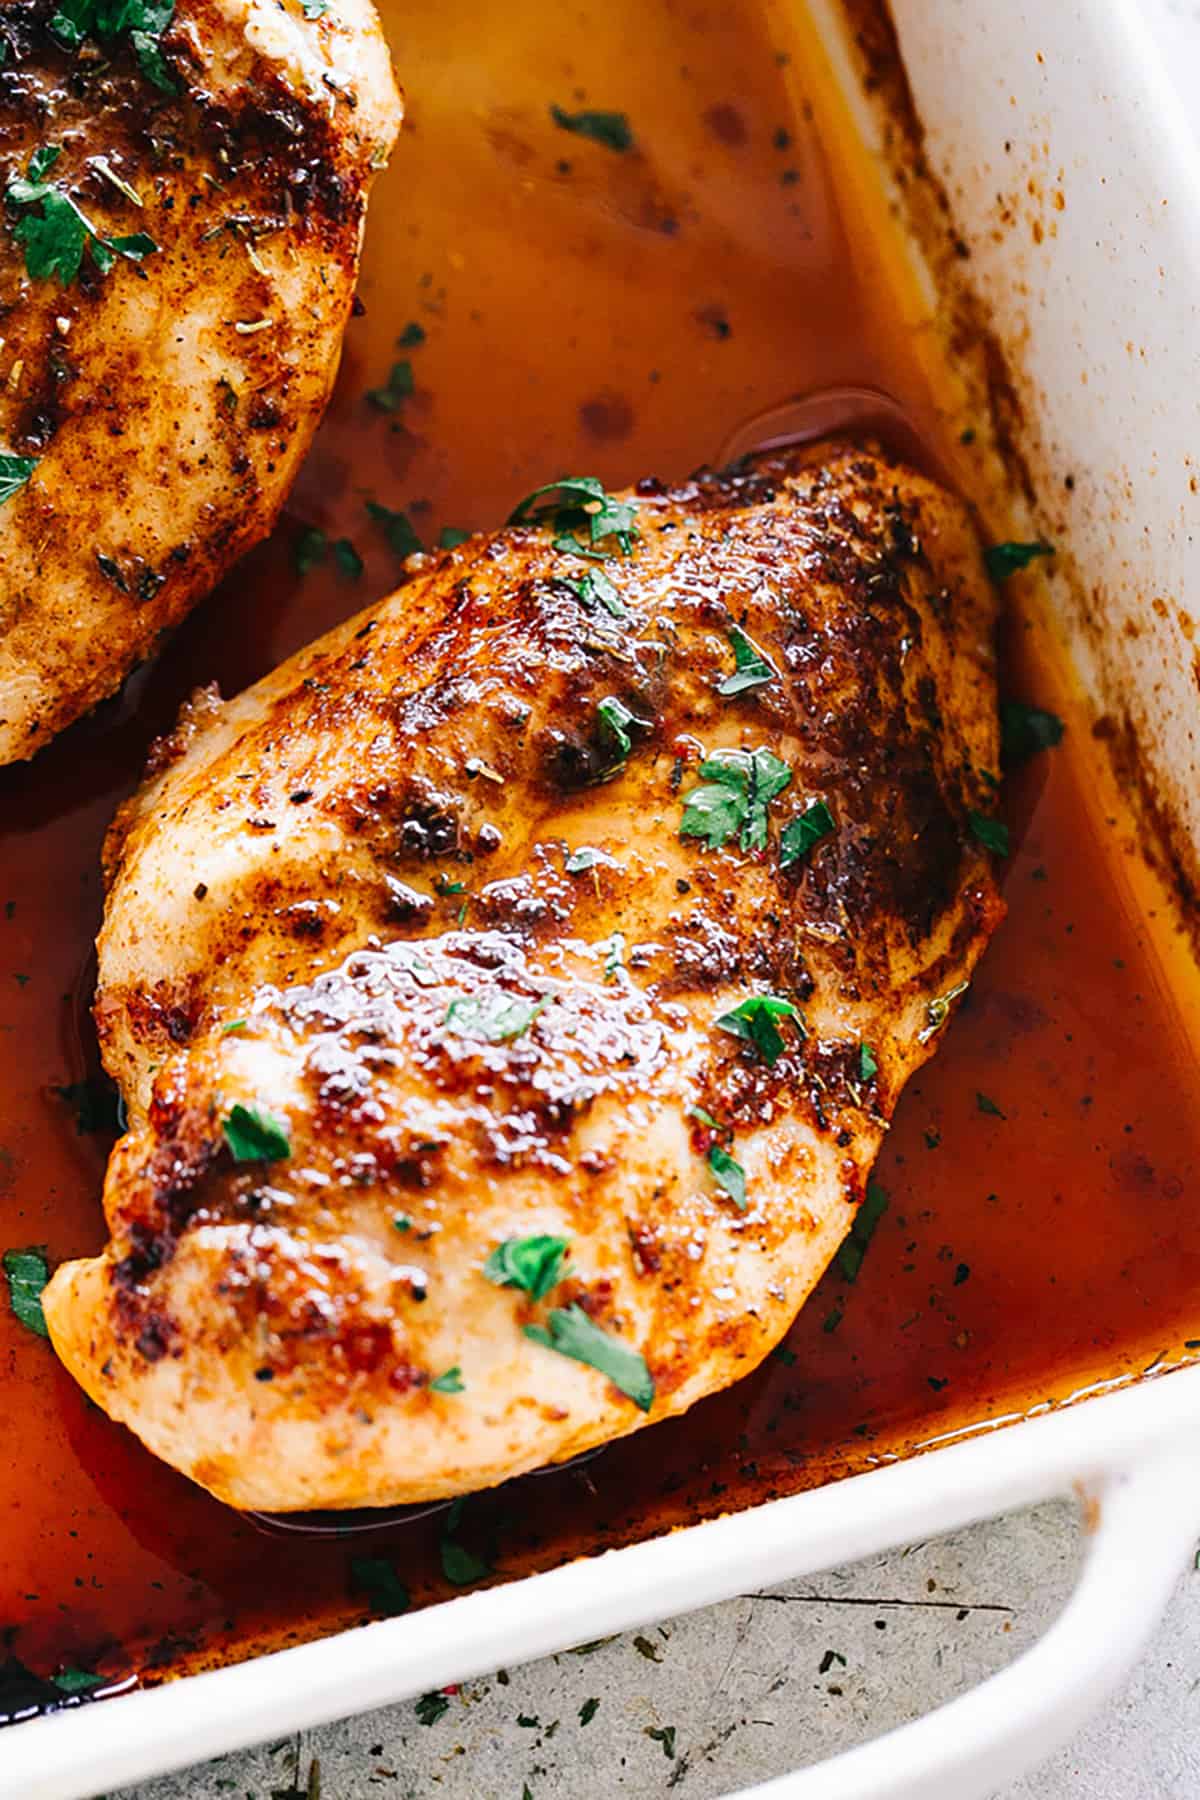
x=1032 y=194
x=1027 y=1251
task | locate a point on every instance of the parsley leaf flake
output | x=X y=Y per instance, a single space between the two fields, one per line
x=583 y=504
x=734 y=797
x=991 y=833
x=533 y=1264
x=1024 y=730
x=617 y=721
x=377 y=1579
x=612 y=129
x=853 y=1248
x=77 y=1681
x=27 y=1272
x=451 y=1382
x=396 y=389
x=494 y=1016
x=753 y=1021
x=569 y=1331
x=397 y=528
x=1003 y=560
x=799 y=835
x=729 y=1175
x=15 y=471
x=751 y=667
x=256 y=1136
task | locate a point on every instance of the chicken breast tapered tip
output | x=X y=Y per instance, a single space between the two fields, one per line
x=512 y=991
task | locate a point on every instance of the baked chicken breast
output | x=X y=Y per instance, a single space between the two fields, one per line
x=511 y=992
x=184 y=193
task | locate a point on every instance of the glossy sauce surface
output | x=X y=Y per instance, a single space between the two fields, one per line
x=615 y=313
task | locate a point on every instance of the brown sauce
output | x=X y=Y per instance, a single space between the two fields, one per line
x=619 y=314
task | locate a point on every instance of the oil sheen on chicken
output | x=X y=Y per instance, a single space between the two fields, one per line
x=178 y=252
x=511 y=992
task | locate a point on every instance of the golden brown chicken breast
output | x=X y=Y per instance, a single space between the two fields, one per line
x=511 y=992
x=184 y=193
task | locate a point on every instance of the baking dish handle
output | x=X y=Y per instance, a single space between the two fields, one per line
x=1142 y=1524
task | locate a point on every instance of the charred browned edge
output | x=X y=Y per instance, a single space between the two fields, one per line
x=981 y=352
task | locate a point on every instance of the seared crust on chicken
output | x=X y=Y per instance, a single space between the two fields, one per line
x=422 y=905
x=173 y=306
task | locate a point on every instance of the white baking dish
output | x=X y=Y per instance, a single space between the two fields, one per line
x=1122 y=269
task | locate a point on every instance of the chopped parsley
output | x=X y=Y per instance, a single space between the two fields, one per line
x=534 y=1264
x=868 y=1068
x=256 y=1136
x=1003 y=560
x=569 y=1331
x=449 y=1383
x=799 y=835
x=987 y=1105
x=397 y=388
x=753 y=1021
x=729 y=1175
x=15 y=471
x=27 y=1272
x=750 y=667
x=593 y=588
x=739 y=787
x=377 y=1579
x=1024 y=730
x=412 y=335
x=583 y=504
x=460 y=1566
x=430 y=1708
x=347 y=560
x=77 y=1681
x=397 y=528
x=143 y=20
x=852 y=1250
x=614 y=956
x=617 y=720
x=54 y=234
x=588 y=1710
x=579 y=861
x=495 y=1016
x=612 y=129
x=450 y=537
x=664 y=1735
x=309 y=549
x=991 y=833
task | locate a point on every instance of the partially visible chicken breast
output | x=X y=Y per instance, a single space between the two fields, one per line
x=511 y=992
x=178 y=251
